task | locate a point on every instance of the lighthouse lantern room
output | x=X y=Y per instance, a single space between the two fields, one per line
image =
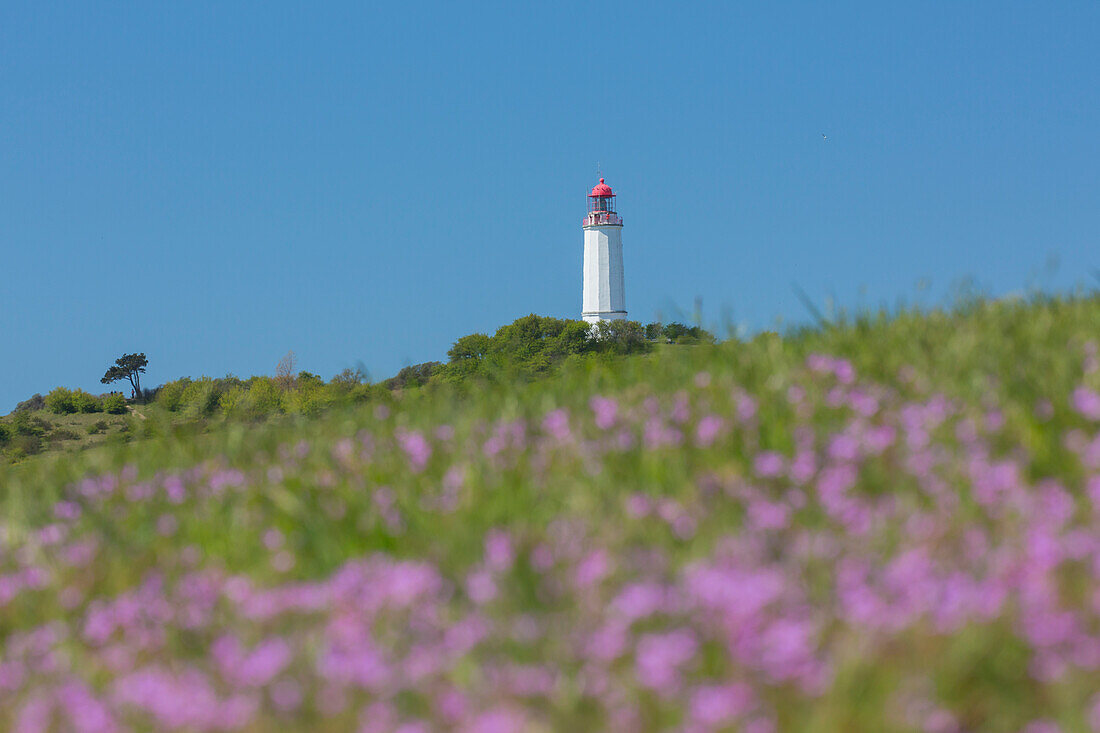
x=603 y=298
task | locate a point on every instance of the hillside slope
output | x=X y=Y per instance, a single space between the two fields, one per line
x=887 y=524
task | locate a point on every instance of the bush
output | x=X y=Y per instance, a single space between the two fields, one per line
x=170 y=395
x=59 y=434
x=6 y=433
x=413 y=376
x=200 y=398
x=264 y=397
x=678 y=333
x=60 y=401
x=311 y=398
x=85 y=403
x=114 y=403
x=35 y=403
x=99 y=426
x=309 y=380
x=231 y=400
x=23 y=423
x=63 y=401
x=351 y=378
x=366 y=392
x=621 y=337
x=25 y=445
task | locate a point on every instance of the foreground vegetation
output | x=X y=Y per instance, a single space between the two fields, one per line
x=888 y=523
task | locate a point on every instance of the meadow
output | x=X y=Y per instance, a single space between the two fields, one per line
x=886 y=522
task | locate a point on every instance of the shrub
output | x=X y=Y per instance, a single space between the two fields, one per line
x=23 y=423
x=678 y=333
x=309 y=380
x=25 y=445
x=231 y=400
x=200 y=398
x=84 y=402
x=60 y=401
x=308 y=400
x=621 y=337
x=99 y=426
x=413 y=376
x=170 y=395
x=35 y=403
x=351 y=378
x=365 y=392
x=59 y=434
x=6 y=433
x=264 y=397
x=114 y=403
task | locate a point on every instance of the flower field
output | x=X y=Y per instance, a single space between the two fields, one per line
x=887 y=524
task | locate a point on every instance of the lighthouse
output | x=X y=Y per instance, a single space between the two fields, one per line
x=603 y=298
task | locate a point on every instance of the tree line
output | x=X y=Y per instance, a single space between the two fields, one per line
x=529 y=348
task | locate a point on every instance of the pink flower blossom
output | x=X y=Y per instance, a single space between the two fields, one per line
x=1087 y=402
x=708 y=430
x=659 y=659
x=415 y=447
x=768 y=464
x=499 y=554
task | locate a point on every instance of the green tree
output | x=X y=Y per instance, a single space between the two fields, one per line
x=467 y=357
x=351 y=378
x=621 y=337
x=415 y=375
x=532 y=345
x=470 y=348
x=309 y=380
x=129 y=367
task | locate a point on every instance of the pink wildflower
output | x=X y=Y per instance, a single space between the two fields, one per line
x=1087 y=402
x=708 y=430
x=415 y=447
x=605 y=410
x=660 y=657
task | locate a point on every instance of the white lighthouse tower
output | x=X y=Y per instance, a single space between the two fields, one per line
x=603 y=298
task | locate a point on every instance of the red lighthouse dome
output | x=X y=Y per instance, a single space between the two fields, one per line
x=601 y=207
x=600 y=190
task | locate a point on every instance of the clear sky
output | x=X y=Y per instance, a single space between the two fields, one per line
x=216 y=183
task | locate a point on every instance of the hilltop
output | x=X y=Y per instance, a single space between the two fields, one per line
x=531 y=347
x=881 y=523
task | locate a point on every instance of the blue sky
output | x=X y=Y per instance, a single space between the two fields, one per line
x=217 y=183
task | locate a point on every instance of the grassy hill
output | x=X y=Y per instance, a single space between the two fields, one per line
x=532 y=347
x=887 y=523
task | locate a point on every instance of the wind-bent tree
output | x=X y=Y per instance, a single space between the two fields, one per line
x=127 y=366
